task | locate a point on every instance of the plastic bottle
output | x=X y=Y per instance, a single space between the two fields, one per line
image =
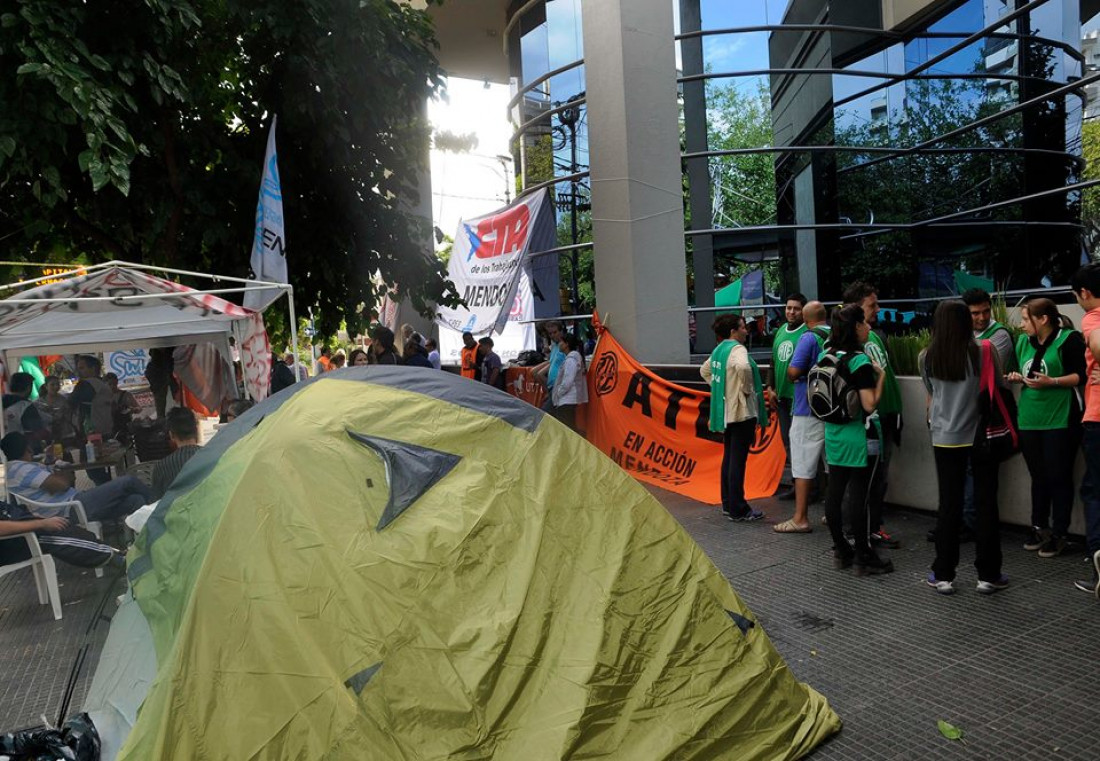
x=89 y=452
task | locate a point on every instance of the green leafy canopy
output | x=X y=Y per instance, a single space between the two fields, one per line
x=135 y=129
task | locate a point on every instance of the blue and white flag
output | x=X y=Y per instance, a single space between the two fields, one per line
x=268 y=262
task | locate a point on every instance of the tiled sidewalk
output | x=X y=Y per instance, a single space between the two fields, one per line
x=1016 y=671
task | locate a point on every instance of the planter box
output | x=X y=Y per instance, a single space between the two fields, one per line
x=912 y=478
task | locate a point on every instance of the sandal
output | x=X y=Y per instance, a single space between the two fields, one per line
x=790 y=527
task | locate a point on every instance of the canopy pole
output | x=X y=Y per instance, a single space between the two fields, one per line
x=293 y=330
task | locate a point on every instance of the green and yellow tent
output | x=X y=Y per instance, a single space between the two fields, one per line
x=400 y=564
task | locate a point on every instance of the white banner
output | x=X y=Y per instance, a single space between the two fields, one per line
x=129 y=366
x=268 y=260
x=518 y=334
x=487 y=262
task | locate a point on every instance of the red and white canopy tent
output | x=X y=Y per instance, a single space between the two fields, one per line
x=118 y=305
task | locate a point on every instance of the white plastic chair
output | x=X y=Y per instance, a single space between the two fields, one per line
x=45 y=572
x=73 y=508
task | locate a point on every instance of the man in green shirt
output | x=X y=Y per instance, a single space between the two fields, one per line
x=980 y=304
x=786 y=339
x=889 y=408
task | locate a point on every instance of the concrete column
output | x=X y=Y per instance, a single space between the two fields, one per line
x=637 y=197
x=698 y=171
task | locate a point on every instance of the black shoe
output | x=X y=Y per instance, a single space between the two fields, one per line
x=881 y=538
x=931 y=535
x=1053 y=547
x=1091 y=585
x=1036 y=537
x=873 y=565
x=841 y=562
x=751 y=515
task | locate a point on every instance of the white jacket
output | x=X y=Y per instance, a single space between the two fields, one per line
x=571 y=385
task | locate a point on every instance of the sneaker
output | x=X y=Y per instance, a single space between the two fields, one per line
x=1036 y=537
x=989 y=587
x=1053 y=547
x=882 y=539
x=873 y=566
x=751 y=515
x=1092 y=585
x=942 y=587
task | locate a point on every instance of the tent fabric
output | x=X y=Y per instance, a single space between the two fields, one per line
x=510 y=610
x=177 y=317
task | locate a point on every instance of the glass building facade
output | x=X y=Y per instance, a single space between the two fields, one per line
x=830 y=141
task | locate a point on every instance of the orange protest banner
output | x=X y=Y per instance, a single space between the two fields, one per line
x=520 y=382
x=657 y=431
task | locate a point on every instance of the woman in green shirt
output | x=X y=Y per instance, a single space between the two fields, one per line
x=852 y=449
x=1051 y=358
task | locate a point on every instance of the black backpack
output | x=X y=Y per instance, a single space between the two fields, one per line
x=830 y=392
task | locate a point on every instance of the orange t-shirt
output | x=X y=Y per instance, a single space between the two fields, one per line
x=1092 y=389
x=324 y=363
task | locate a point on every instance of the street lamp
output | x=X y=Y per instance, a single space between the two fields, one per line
x=504 y=162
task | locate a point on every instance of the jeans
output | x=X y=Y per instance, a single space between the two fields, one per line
x=876 y=494
x=1050 y=456
x=970 y=513
x=855 y=481
x=736 y=441
x=115 y=499
x=952 y=464
x=1090 y=487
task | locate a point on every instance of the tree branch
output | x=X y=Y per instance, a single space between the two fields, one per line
x=171 y=232
x=96 y=234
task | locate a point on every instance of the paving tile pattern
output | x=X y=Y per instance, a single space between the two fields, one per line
x=1018 y=671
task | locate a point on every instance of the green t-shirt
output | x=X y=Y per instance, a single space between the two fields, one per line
x=1044 y=409
x=891 y=392
x=846 y=443
x=782 y=351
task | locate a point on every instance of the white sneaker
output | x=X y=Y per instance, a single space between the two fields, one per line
x=989 y=587
x=941 y=587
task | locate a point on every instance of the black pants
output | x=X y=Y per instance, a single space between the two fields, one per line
x=74 y=545
x=891 y=426
x=783 y=411
x=1050 y=456
x=951 y=468
x=736 y=441
x=567 y=414
x=1090 y=487
x=855 y=482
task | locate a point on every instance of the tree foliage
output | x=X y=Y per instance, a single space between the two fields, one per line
x=135 y=129
x=1090 y=201
x=743 y=185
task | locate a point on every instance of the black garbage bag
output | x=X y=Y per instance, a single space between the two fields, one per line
x=77 y=740
x=529 y=358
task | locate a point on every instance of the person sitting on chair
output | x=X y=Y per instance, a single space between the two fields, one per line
x=183 y=433
x=115 y=499
x=56 y=536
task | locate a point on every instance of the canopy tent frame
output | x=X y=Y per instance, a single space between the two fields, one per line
x=184 y=334
x=80 y=271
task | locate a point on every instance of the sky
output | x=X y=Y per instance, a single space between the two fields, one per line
x=469 y=185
